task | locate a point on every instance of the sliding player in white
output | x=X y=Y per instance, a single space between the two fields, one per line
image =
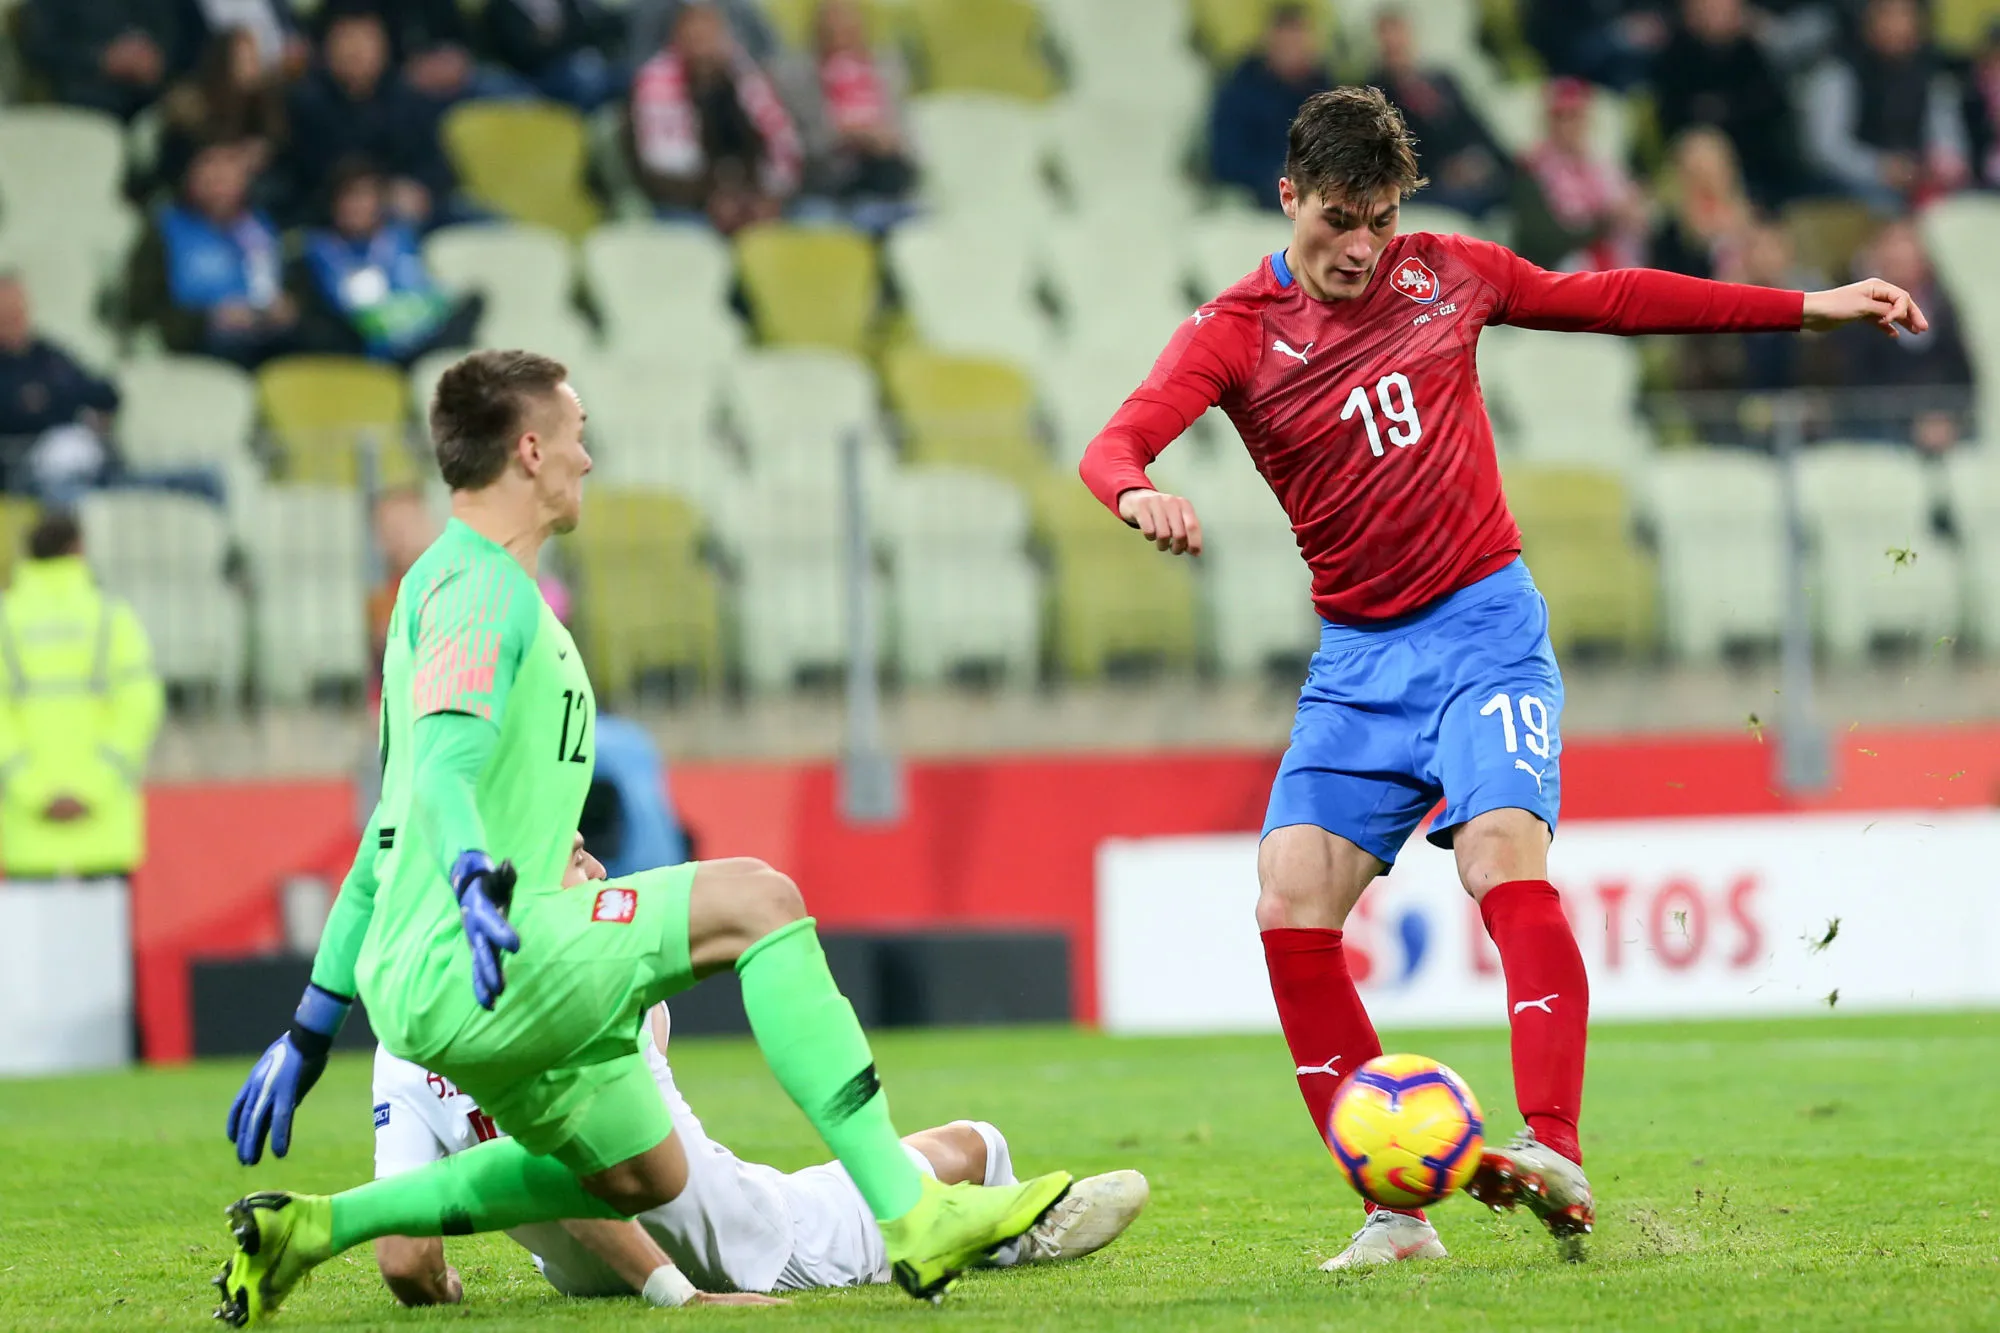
x=738 y=1226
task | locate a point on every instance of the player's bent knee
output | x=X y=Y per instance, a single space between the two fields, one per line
x=735 y=903
x=1499 y=847
x=1309 y=878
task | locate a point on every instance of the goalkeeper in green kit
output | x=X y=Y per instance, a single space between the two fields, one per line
x=478 y=966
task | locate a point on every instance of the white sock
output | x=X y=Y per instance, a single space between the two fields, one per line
x=999 y=1171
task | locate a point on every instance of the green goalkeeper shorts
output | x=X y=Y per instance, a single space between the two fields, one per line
x=556 y=1063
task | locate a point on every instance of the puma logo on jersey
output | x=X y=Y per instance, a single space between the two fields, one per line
x=1327 y=1068
x=1296 y=353
x=1541 y=1004
x=1529 y=769
x=1200 y=315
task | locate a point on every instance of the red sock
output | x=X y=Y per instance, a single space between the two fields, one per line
x=1548 y=1003
x=1326 y=1027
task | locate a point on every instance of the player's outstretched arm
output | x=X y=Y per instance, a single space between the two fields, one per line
x=1167 y=521
x=629 y=1251
x=1882 y=303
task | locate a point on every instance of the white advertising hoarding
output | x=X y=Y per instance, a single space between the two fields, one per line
x=1675 y=917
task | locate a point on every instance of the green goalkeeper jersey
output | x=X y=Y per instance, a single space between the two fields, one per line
x=470 y=635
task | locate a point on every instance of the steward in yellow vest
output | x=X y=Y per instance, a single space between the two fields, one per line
x=79 y=706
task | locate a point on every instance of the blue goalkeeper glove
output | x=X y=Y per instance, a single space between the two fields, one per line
x=485 y=891
x=283 y=1076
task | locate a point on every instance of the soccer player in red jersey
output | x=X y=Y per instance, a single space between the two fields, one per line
x=1346 y=362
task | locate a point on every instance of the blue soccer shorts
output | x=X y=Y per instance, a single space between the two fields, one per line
x=1459 y=701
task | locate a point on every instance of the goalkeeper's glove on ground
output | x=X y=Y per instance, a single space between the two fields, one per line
x=485 y=891
x=283 y=1076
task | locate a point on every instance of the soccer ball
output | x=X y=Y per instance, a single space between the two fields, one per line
x=1406 y=1131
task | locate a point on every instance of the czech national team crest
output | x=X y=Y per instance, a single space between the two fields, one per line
x=615 y=905
x=1414 y=279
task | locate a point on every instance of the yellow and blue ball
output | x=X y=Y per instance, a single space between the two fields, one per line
x=1406 y=1131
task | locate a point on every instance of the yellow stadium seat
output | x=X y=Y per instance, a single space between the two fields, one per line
x=648 y=600
x=525 y=160
x=965 y=410
x=1828 y=233
x=1575 y=538
x=323 y=410
x=990 y=46
x=1961 y=25
x=1116 y=600
x=809 y=286
x=17 y=516
x=797 y=20
x=1228 y=30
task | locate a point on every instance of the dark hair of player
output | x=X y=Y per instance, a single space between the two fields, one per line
x=476 y=413
x=1350 y=143
x=56 y=533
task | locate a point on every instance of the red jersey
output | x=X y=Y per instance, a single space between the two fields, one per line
x=1365 y=415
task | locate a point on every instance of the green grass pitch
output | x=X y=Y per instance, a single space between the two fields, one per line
x=1827 y=1173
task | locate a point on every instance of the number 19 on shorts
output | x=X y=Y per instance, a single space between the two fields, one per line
x=1533 y=728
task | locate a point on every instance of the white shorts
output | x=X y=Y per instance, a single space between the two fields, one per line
x=738 y=1226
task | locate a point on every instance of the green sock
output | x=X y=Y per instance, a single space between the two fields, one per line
x=492 y=1187
x=814 y=1044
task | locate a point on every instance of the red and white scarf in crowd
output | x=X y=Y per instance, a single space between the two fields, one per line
x=855 y=96
x=1580 y=194
x=666 y=130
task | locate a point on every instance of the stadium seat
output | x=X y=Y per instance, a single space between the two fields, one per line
x=1133 y=60
x=648 y=601
x=971 y=289
x=325 y=411
x=795 y=406
x=1877 y=570
x=1119 y=288
x=1080 y=390
x=654 y=427
x=663 y=291
x=1828 y=233
x=1719 y=528
x=165 y=554
x=982 y=45
x=1260 y=607
x=1115 y=158
x=59 y=162
x=1576 y=540
x=967 y=612
x=17 y=519
x=1224 y=247
x=524 y=160
x=1970 y=491
x=1228 y=30
x=65 y=283
x=1961 y=26
x=795 y=19
x=191 y=411
x=1959 y=232
x=809 y=286
x=523 y=270
x=1117 y=601
x=1419 y=216
x=967 y=411
x=1565 y=398
x=923 y=513
x=308 y=549
x=983 y=156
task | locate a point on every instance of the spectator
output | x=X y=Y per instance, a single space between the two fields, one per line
x=368 y=283
x=281 y=47
x=862 y=91
x=1467 y=167
x=78 y=714
x=54 y=415
x=353 y=106
x=650 y=24
x=1712 y=73
x=430 y=46
x=1612 y=42
x=1708 y=214
x=1754 y=362
x=404 y=529
x=1928 y=375
x=710 y=136
x=1982 y=112
x=558 y=46
x=1251 y=119
x=1571 y=210
x=209 y=269
x=1885 y=122
x=111 y=55
x=234 y=97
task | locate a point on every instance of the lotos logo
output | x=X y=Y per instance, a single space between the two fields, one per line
x=615 y=905
x=1414 y=279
